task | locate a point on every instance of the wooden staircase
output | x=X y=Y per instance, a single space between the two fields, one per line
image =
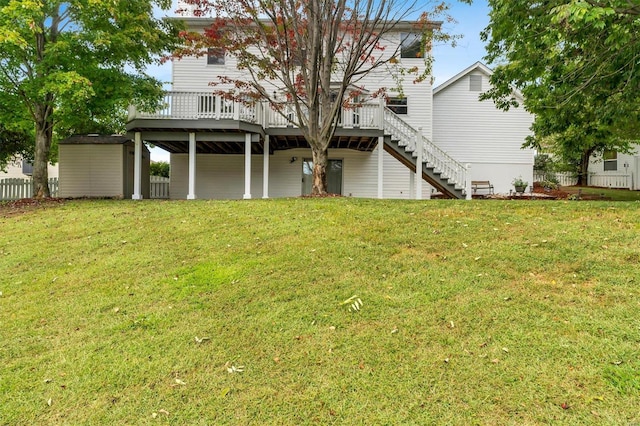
x=438 y=168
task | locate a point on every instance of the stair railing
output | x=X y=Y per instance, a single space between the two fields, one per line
x=432 y=155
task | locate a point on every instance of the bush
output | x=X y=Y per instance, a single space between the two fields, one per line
x=160 y=168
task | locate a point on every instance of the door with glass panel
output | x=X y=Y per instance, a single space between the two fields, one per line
x=334 y=176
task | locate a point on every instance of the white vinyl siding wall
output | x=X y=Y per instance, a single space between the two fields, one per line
x=476 y=132
x=222 y=176
x=91 y=171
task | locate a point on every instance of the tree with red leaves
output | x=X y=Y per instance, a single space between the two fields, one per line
x=309 y=56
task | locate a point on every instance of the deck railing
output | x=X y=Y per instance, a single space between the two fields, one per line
x=205 y=105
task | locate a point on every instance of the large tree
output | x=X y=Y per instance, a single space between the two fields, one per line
x=70 y=66
x=576 y=64
x=314 y=53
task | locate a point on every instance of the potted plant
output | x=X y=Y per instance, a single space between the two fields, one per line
x=520 y=184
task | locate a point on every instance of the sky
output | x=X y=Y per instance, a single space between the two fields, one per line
x=449 y=61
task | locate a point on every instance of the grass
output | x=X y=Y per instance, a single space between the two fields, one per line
x=494 y=312
x=611 y=194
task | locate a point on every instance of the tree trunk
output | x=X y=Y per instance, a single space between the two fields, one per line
x=44 y=135
x=583 y=168
x=320 y=161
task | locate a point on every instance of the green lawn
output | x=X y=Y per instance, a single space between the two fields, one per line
x=231 y=312
x=592 y=192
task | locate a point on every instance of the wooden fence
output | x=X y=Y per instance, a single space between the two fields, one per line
x=17 y=188
x=159 y=187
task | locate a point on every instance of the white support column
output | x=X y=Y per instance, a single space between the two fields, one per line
x=419 y=147
x=265 y=168
x=412 y=184
x=467 y=182
x=137 y=168
x=380 y=167
x=247 y=166
x=191 y=195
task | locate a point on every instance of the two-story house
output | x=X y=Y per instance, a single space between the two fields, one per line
x=223 y=149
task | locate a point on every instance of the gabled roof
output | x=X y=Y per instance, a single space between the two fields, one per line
x=478 y=66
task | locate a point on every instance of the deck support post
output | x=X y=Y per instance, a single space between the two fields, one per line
x=191 y=195
x=419 y=148
x=467 y=182
x=380 y=167
x=137 y=168
x=265 y=168
x=247 y=166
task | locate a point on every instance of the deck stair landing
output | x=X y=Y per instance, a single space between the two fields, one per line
x=438 y=168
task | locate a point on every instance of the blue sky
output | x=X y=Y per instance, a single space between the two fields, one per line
x=449 y=61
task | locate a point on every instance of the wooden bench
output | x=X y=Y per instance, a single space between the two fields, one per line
x=481 y=184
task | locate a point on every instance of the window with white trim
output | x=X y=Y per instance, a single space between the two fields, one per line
x=610 y=161
x=215 y=56
x=398 y=105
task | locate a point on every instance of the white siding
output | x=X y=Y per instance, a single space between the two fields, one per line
x=194 y=74
x=222 y=176
x=91 y=171
x=14 y=170
x=478 y=133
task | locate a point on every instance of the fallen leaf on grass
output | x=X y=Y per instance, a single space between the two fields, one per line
x=180 y=382
x=201 y=339
x=234 y=369
x=49 y=402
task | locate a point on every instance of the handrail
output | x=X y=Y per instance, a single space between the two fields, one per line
x=432 y=155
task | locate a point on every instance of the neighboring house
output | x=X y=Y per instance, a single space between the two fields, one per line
x=477 y=133
x=101 y=166
x=615 y=169
x=222 y=149
x=18 y=168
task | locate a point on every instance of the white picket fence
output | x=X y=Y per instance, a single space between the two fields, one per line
x=17 y=188
x=564 y=178
x=610 y=181
x=159 y=187
x=593 y=179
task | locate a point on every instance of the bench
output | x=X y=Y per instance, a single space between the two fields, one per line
x=481 y=184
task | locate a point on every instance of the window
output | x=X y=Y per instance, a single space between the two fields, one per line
x=610 y=160
x=27 y=168
x=298 y=58
x=397 y=105
x=215 y=56
x=411 y=45
x=334 y=176
x=475 y=83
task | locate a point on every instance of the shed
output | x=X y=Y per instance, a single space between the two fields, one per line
x=100 y=166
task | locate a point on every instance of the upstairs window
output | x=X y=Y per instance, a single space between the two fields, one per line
x=27 y=168
x=397 y=105
x=610 y=160
x=411 y=45
x=215 y=56
x=475 y=83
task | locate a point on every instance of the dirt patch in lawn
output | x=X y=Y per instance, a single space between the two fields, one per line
x=24 y=205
